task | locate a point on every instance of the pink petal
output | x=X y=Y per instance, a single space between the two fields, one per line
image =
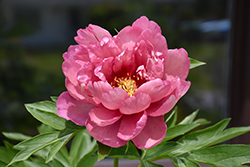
x=182 y=88
x=144 y=23
x=152 y=134
x=156 y=89
x=103 y=70
x=92 y=33
x=135 y=104
x=162 y=107
x=177 y=63
x=105 y=134
x=124 y=62
x=96 y=89
x=132 y=125
x=74 y=90
x=166 y=104
x=70 y=52
x=72 y=109
x=113 y=98
x=70 y=69
x=103 y=117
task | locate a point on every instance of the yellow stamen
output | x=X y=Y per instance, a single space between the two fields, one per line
x=128 y=84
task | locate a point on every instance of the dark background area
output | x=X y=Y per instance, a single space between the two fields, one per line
x=34 y=35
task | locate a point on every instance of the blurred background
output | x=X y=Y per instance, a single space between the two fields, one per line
x=35 y=34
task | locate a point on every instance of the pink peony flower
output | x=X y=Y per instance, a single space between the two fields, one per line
x=120 y=87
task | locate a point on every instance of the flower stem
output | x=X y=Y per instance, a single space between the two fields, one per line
x=116 y=162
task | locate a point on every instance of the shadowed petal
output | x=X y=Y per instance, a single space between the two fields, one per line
x=113 y=98
x=72 y=109
x=135 y=104
x=131 y=125
x=103 y=117
x=152 y=134
x=105 y=134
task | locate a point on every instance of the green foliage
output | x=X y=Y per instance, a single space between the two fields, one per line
x=183 y=144
x=195 y=63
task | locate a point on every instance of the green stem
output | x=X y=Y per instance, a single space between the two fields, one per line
x=116 y=162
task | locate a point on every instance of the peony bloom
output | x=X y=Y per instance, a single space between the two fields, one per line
x=120 y=87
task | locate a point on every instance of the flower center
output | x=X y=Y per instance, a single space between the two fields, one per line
x=128 y=84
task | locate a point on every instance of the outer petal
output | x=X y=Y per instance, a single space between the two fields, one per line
x=182 y=88
x=161 y=107
x=135 y=104
x=144 y=23
x=70 y=69
x=103 y=117
x=132 y=125
x=156 y=89
x=166 y=104
x=152 y=134
x=177 y=63
x=113 y=98
x=105 y=134
x=72 y=109
x=74 y=90
x=92 y=33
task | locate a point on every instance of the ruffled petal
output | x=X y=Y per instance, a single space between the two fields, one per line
x=72 y=109
x=156 y=89
x=132 y=125
x=135 y=104
x=103 y=117
x=113 y=98
x=177 y=63
x=105 y=134
x=152 y=134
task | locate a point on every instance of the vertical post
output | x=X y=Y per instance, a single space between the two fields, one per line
x=239 y=89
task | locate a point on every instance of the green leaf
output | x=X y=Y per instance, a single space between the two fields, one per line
x=145 y=163
x=62 y=158
x=46 y=113
x=45 y=128
x=208 y=137
x=54 y=98
x=16 y=136
x=162 y=148
x=178 y=130
x=87 y=161
x=46 y=116
x=35 y=164
x=189 y=119
x=7 y=153
x=129 y=151
x=182 y=162
x=47 y=106
x=82 y=145
x=30 y=146
x=222 y=155
x=195 y=63
x=103 y=151
x=172 y=118
x=58 y=145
